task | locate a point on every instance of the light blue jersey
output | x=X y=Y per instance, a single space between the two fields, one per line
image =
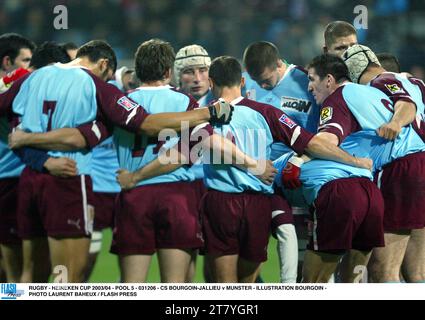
x=250 y=132
x=399 y=87
x=136 y=151
x=105 y=166
x=10 y=164
x=60 y=97
x=105 y=163
x=197 y=168
x=290 y=95
x=252 y=90
x=316 y=173
x=371 y=109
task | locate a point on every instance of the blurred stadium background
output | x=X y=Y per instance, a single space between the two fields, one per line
x=222 y=27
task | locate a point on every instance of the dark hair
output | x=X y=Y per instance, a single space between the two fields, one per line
x=226 y=71
x=69 y=46
x=47 y=53
x=338 y=29
x=389 y=62
x=260 y=55
x=11 y=43
x=98 y=49
x=330 y=64
x=154 y=58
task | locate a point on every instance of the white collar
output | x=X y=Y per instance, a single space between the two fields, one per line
x=236 y=101
x=155 y=88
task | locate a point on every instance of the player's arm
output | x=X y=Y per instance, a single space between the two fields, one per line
x=404 y=106
x=216 y=113
x=337 y=123
x=86 y=136
x=40 y=161
x=404 y=114
x=315 y=146
x=6 y=98
x=325 y=146
x=157 y=167
x=129 y=115
x=66 y=139
x=230 y=154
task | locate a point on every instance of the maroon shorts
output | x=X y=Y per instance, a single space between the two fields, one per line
x=158 y=216
x=402 y=183
x=8 y=211
x=53 y=206
x=281 y=211
x=200 y=190
x=237 y=224
x=347 y=214
x=104 y=206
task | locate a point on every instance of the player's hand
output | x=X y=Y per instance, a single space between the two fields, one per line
x=365 y=163
x=291 y=173
x=61 y=167
x=14 y=75
x=126 y=179
x=390 y=131
x=265 y=171
x=220 y=112
x=17 y=139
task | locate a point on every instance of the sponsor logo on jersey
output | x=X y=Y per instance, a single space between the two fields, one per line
x=326 y=115
x=394 y=88
x=287 y=121
x=300 y=105
x=127 y=104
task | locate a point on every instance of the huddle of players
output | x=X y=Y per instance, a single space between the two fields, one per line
x=159 y=211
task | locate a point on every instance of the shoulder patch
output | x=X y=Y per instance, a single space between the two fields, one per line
x=394 y=88
x=326 y=115
x=287 y=121
x=127 y=104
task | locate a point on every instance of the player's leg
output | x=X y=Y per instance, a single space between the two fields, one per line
x=302 y=225
x=353 y=268
x=174 y=264
x=104 y=205
x=35 y=248
x=36 y=260
x=368 y=232
x=318 y=267
x=94 y=250
x=134 y=232
x=335 y=216
x=12 y=258
x=404 y=212
x=248 y=271
x=72 y=253
x=2 y=272
x=385 y=263
x=287 y=244
x=68 y=219
x=254 y=232
x=191 y=272
x=10 y=243
x=177 y=228
x=224 y=269
x=134 y=268
x=414 y=260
